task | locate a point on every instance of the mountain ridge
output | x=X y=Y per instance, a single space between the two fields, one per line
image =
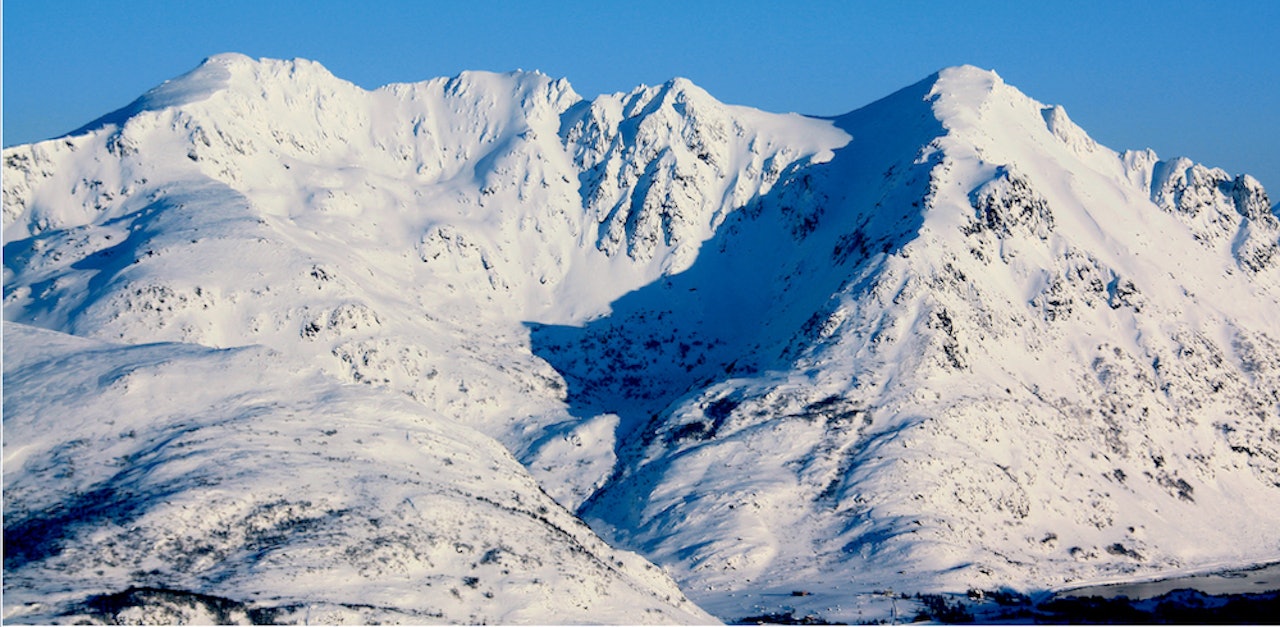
x=946 y=334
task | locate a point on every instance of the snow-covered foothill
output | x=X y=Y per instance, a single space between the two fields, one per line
x=178 y=483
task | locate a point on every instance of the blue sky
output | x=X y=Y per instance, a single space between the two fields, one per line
x=1199 y=79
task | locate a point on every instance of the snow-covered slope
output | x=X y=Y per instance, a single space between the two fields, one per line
x=186 y=471
x=178 y=483
x=399 y=236
x=1027 y=360
x=944 y=341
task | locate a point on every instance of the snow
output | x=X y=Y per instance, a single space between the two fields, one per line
x=181 y=467
x=945 y=341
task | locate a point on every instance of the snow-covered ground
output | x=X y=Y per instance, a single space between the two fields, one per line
x=946 y=341
x=1003 y=355
x=249 y=476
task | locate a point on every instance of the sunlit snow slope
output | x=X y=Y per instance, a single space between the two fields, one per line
x=167 y=483
x=944 y=341
x=999 y=354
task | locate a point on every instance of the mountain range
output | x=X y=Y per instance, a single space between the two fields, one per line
x=477 y=349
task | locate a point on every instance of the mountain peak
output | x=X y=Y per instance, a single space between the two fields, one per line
x=942 y=341
x=964 y=95
x=215 y=74
x=970 y=75
x=199 y=84
x=965 y=85
x=227 y=59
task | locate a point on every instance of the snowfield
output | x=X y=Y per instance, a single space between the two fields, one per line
x=280 y=348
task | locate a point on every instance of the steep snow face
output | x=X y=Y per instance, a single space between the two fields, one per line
x=1017 y=369
x=396 y=239
x=224 y=494
x=399 y=236
x=944 y=341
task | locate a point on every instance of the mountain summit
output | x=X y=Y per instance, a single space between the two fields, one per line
x=945 y=341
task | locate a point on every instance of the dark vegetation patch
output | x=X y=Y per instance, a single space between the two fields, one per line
x=1179 y=607
x=782 y=618
x=176 y=605
x=936 y=607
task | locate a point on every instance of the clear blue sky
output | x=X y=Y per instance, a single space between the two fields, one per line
x=1199 y=79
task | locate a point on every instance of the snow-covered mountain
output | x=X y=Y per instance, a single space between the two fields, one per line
x=945 y=341
x=1002 y=355
x=165 y=483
